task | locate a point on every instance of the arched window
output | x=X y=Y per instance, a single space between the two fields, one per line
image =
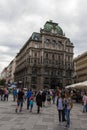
x=69 y=59
x=46 y=55
x=53 y=43
x=53 y=56
x=35 y=54
x=34 y=71
x=46 y=72
x=47 y=42
x=59 y=58
x=59 y=44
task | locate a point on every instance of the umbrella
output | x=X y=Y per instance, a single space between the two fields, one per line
x=13 y=86
x=71 y=86
x=78 y=85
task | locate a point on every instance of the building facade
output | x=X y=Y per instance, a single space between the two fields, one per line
x=4 y=73
x=46 y=59
x=80 y=63
x=10 y=71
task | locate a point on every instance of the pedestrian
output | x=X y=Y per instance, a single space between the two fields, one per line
x=14 y=94
x=7 y=94
x=31 y=102
x=53 y=96
x=84 y=102
x=28 y=95
x=68 y=106
x=63 y=96
x=43 y=98
x=20 y=99
x=59 y=105
x=39 y=101
x=48 y=98
x=2 y=94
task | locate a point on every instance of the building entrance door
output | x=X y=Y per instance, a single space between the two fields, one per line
x=53 y=84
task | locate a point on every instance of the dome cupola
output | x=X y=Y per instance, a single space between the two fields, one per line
x=51 y=27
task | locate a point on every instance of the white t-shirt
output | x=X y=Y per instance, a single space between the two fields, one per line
x=60 y=104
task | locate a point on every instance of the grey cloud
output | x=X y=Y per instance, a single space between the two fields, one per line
x=20 y=18
x=13 y=10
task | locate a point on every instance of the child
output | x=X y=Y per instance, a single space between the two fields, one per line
x=31 y=103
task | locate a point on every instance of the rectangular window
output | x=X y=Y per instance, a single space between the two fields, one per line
x=35 y=54
x=36 y=45
x=46 y=72
x=46 y=55
x=35 y=61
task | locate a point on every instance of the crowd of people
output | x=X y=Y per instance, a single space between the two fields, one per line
x=61 y=98
x=39 y=97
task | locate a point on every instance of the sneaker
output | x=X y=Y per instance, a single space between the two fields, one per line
x=20 y=110
x=16 y=110
x=67 y=126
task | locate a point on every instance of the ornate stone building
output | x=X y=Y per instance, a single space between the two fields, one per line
x=10 y=71
x=46 y=59
x=80 y=63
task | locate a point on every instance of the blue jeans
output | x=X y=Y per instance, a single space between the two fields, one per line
x=85 y=108
x=67 y=115
x=53 y=100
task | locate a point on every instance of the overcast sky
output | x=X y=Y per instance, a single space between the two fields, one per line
x=20 y=18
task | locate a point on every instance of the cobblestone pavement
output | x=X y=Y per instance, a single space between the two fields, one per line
x=46 y=120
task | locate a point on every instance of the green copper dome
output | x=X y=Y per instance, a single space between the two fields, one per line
x=59 y=30
x=48 y=27
x=53 y=27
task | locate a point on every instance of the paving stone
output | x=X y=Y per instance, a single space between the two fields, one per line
x=59 y=128
x=40 y=127
x=48 y=120
x=3 y=108
x=18 y=129
x=47 y=114
x=6 y=118
x=84 y=121
x=80 y=128
x=7 y=112
x=1 y=125
x=20 y=124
